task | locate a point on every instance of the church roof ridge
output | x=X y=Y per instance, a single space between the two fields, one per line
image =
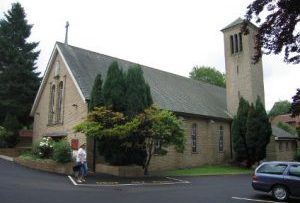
x=169 y=91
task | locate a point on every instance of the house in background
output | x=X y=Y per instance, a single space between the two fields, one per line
x=287 y=118
x=282 y=146
x=206 y=110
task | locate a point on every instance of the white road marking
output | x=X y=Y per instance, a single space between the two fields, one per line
x=182 y=181
x=253 y=200
x=72 y=180
x=7 y=158
x=129 y=184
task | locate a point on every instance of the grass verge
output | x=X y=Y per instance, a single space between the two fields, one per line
x=207 y=170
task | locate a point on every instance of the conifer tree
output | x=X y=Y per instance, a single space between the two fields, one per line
x=96 y=94
x=253 y=127
x=18 y=79
x=138 y=96
x=239 y=129
x=114 y=88
x=264 y=130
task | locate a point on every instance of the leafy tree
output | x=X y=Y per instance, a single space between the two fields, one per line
x=160 y=126
x=18 y=79
x=287 y=127
x=138 y=96
x=12 y=124
x=279 y=30
x=209 y=75
x=295 y=107
x=114 y=88
x=280 y=108
x=239 y=130
x=115 y=132
x=97 y=99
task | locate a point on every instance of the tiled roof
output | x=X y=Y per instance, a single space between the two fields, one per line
x=281 y=134
x=169 y=91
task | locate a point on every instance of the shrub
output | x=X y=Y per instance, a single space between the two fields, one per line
x=44 y=148
x=4 y=134
x=62 y=151
x=12 y=124
x=297 y=155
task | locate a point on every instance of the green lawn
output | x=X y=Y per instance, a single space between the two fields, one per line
x=207 y=170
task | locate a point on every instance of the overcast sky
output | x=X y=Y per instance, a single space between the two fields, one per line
x=171 y=35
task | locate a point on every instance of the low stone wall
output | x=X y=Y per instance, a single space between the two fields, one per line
x=47 y=165
x=122 y=171
x=12 y=152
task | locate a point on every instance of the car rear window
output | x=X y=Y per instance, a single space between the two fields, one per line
x=272 y=169
x=294 y=170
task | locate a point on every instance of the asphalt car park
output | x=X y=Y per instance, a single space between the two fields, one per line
x=19 y=184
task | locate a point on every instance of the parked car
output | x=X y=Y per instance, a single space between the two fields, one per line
x=282 y=178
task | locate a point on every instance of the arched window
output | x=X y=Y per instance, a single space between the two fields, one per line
x=51 y=105
x=221 y=139
x=194 y=138
x=59 y=102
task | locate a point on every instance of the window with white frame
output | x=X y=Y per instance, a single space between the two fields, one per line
x=194 y=138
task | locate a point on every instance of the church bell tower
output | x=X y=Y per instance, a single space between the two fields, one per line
x=243 y=78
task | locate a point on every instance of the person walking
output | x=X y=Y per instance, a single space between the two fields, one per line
x=81 y=162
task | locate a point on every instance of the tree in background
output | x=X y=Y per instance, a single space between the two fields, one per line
x=280 y=108
x=209 y=75
x=251 y=131
x=138 y=96
x=18 y=80
x=97 y=99
x=295 y=107
x=239 y=130
x=278 y=32
x=114 y=88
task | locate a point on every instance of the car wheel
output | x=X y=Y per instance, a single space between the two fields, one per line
x=280 y=192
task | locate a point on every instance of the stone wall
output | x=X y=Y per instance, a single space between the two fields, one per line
x=207 y=147
x=47 y=165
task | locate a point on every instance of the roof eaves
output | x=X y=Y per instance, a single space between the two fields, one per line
x=71 y=74
x=43 y=83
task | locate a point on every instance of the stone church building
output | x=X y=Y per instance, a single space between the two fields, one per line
x=206 y=110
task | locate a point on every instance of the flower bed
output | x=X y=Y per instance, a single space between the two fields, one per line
x=46 y=165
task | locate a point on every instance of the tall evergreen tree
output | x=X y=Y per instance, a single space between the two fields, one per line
x=138 y=96
x=239 y=129
x=97 y=99
x=264 y=131
x=18 y=79
x=252 y=135
x=114 y=88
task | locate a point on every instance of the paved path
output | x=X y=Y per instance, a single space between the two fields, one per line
x=22 y=185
